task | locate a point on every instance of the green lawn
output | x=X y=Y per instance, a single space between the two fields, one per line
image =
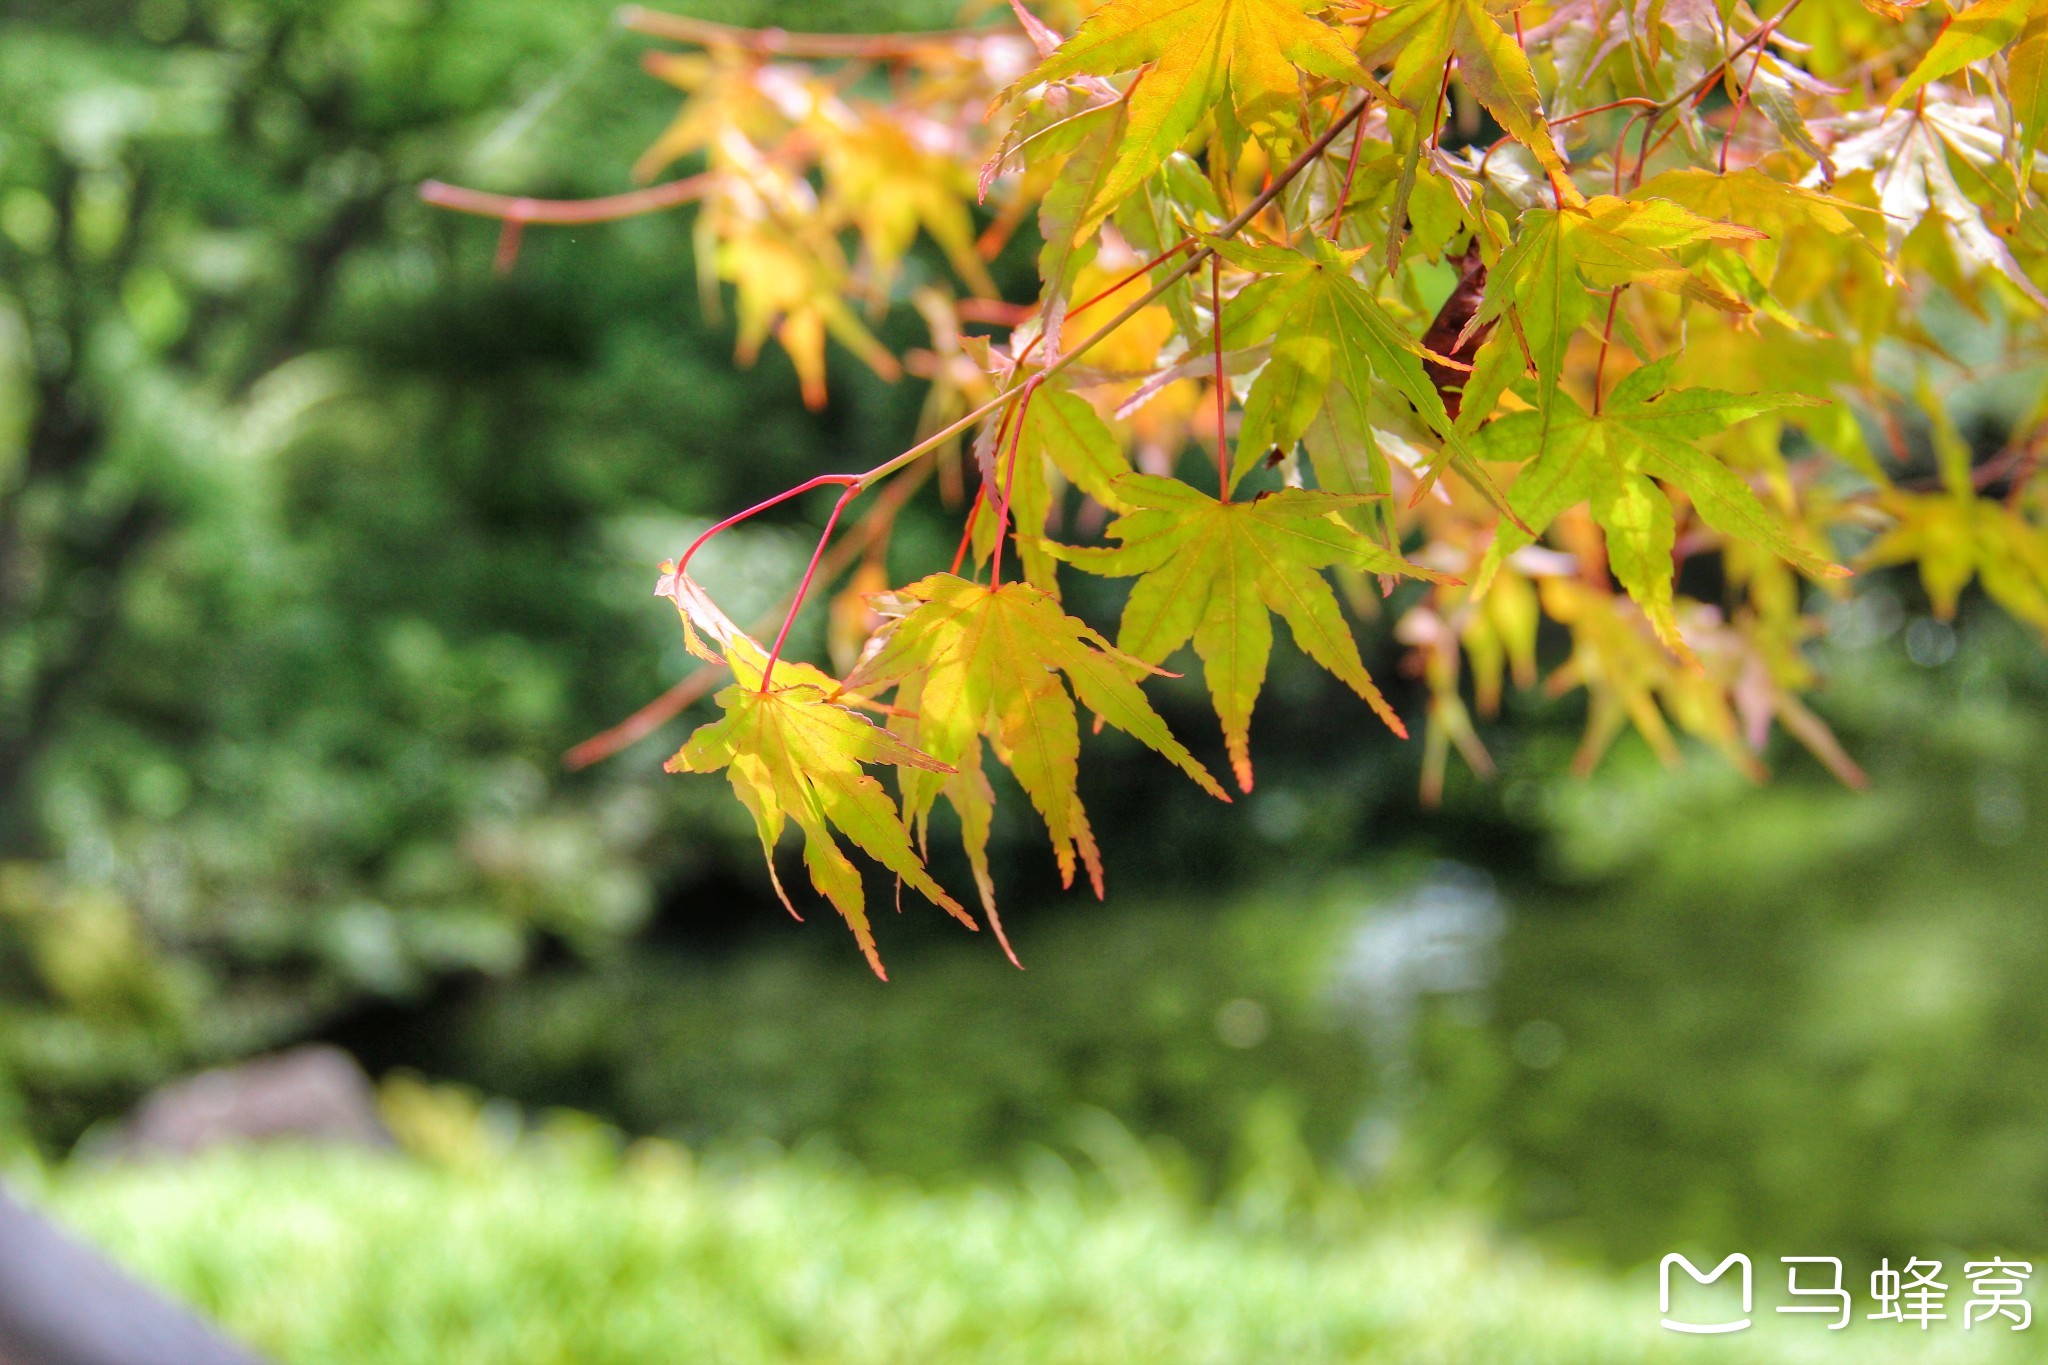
x=538 y=1258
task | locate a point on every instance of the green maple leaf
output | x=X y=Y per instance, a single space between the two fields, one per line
x=1611 y=462
x=1421 y=37
x=2026 y=83
x=1955 y=535
x=794 y=756
x=988 y=662
x=1061 y=433
x=1544 y=278
x=1073 y=208
x=1330 y=340
x=966 y=788
x=1200 y=53
x=1772 y=208
x=1211 y=571
x=1970 y=35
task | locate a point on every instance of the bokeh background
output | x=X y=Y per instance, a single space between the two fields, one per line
x=320 y=541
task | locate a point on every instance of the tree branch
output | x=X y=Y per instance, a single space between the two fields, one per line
x=775 y=42
x=513 y=208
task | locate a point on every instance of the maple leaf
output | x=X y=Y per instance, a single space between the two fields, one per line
x=1330 y=338
x=1954 y=538
x=2026 y=84
x=1212 y=570
x=1544 y=277
x=890 y=187
x=1630 y=681
x=1421 y=37
x=726 y=101
x=795 y=756
x=967 y=790
x=1970 y=35
x=1907 y=153
x=1609 y=461
x=1200 y=51
x=787 y=281
x=1771 y=207
x=988 y=661
x=1063 y=434
x=1072 y=209
x=787 y=290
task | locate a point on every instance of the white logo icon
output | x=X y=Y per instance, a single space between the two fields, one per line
x=1702 y=1329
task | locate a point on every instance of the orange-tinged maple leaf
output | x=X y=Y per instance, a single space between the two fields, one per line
x=1200 y=52
x=1630 y=681
x=784 y=289
x=987 y=661
x=1210 y=571
x=890 y=187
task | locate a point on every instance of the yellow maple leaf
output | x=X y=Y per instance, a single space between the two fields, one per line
x=987 y=662
x=795 y=756
x=1199 y=53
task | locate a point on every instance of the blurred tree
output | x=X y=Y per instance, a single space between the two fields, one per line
x=318 y=544
x=1792 y=1019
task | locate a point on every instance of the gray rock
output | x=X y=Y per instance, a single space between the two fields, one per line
x=314 y=1094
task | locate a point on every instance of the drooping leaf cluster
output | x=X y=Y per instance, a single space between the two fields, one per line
x=1505 y=314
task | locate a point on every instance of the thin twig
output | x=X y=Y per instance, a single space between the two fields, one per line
x=1706 y=82
x=698 y=685
x=1022 y=410
x=1222 y=392
x=1606 y=340
x=519 y=208
x=803 y=588
x=775 y=42
x=1344 y=195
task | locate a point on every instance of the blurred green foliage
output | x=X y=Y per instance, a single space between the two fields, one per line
x=558 y=1253
x=1793 y=1017
x=1185 y=1024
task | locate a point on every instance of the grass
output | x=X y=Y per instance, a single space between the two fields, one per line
x=548 y=1256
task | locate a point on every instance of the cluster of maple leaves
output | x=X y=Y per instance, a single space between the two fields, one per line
x=1528 y=306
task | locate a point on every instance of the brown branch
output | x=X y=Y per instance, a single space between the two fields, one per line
x=775 y=42
x=518 y=208
x=1452 y=342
